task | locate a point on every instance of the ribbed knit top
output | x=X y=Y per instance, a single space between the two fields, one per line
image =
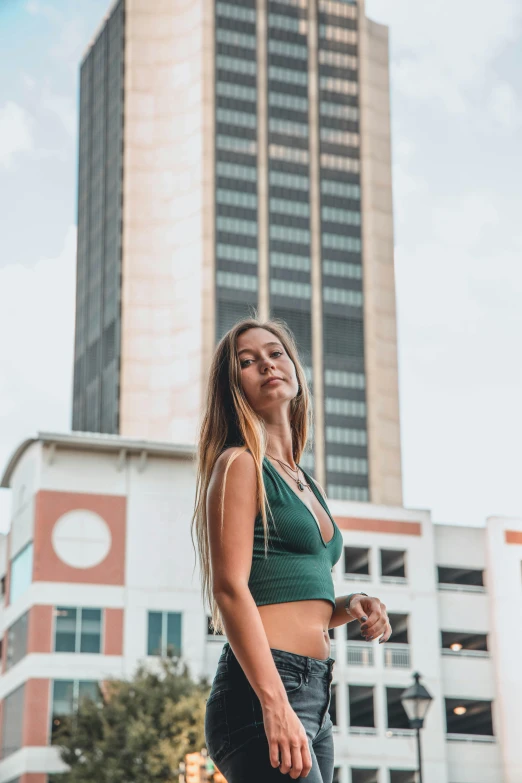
x=299 y=562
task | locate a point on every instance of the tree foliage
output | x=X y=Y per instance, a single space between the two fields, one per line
x=138 y=731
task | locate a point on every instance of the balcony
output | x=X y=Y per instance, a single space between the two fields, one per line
x=359 y=654
x=397 y=656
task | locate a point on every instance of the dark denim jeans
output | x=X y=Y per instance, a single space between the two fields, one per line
x=234 y=732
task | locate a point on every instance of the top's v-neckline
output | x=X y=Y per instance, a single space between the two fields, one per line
x=316 y=493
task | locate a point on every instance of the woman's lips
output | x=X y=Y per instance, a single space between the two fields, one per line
x=272 y=380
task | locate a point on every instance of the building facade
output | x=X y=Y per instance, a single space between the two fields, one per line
x=97 y=576
x=235 y=154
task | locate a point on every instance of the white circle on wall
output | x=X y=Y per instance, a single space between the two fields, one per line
x=81 y=538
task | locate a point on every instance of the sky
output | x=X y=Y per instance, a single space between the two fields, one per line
x=456 y=92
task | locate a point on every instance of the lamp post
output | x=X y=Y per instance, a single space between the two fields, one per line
x=416 y=702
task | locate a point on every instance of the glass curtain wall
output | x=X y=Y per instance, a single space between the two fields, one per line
x=100 y=177
x=236 y=162
x=288 y=177
x=341 y=247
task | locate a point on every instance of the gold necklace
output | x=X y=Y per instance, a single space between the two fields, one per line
x=297 y=480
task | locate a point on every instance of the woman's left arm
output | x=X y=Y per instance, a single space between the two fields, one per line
x=369 y=611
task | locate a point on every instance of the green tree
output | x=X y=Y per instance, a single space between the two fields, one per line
x=138 y=731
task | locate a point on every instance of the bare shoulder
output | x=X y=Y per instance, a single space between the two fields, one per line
x=240 y=463
x=231 y=514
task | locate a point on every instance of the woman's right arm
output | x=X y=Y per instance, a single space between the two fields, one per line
x=231 y=559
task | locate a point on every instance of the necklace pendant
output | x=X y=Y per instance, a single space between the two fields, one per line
x=300 y=485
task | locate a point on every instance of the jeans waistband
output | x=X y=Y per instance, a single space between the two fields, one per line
x=304 y=663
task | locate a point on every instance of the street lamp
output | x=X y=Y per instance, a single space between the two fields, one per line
x=416 y=702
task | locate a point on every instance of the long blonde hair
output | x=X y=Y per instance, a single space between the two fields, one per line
x=229 y=420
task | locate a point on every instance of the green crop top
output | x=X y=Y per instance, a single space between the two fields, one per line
x=299 y=563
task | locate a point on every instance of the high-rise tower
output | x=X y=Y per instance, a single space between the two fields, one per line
x=236 y=154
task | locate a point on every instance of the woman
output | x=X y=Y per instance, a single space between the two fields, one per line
x=267 y=544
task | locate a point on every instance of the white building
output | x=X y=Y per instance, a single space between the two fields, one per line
x=97 y=575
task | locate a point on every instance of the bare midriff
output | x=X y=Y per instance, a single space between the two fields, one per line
x=298 y=626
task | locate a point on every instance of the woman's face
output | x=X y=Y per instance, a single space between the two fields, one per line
x=262 y=357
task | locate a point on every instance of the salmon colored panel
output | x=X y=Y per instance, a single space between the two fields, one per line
x=513 y=537
x=49 y=508
x=36 y=713
x=113 y=632
x=380 y=526
x=34 y=777
x=40 y=629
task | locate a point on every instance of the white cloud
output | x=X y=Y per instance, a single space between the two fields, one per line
x=443 y=50
x=505 y=107
x=37 y=325
x=15 y=132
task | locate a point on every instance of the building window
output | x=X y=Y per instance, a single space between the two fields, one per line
x=336 y=775
x=397 y=717
x=21 y=572
x=290 y=234
x=364 y=775
x=235 y=39
x=347 y=217
x=345 y=380
x=236 y=281
x=67 y=696
x=393 y=564
x=342 y=492
x=357 y=560
x=469 y=716
x=341 y=242
x=236 y=12
x=77 y=630
x=291 y=154
x=236 y=226
x=403 y=776
x=287 y=207
x=236 y=65
x=288 y=75
x=333 y=704
x=290 y=261
x=462 y=577
x=340 y=163
x=164 y=634
x=238 y=92
x=287 y=49
x=246 y=255
x=340 y=269
x=337 y=464
x=210 y=629
x=460 y=643
x=399 y=624
x=235 y=144
x=338 y=60
x=343 y=296
x=13 y=713
x=284 y=180
x=339 y=110
x=360 y=699
x=241 y=118
x=288 y=288
x=346 y=435
x=236 y=198
x=17 y=641
x=330 y=187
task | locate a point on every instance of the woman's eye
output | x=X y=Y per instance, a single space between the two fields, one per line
x=244 y=362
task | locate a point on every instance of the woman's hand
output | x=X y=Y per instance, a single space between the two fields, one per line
x=287 y=740
x=371 y=613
